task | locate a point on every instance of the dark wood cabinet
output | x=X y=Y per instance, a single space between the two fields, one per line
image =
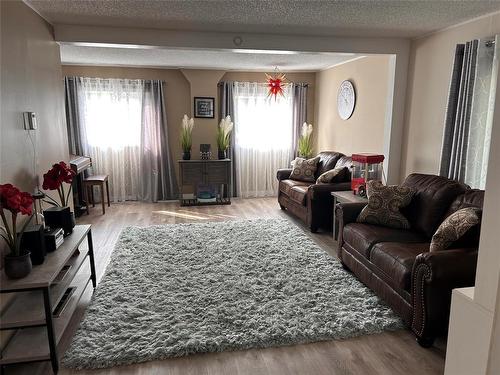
x=213 y=173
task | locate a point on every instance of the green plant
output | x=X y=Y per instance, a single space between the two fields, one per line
x=187 y=133
x=305 y=141
x=224 y=133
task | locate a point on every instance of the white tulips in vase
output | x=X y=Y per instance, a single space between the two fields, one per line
x=305 y=141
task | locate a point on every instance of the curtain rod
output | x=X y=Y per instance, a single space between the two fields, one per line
x=107 y=79
x=262 y=83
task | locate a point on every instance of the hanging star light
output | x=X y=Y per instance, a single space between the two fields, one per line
x=276 y=82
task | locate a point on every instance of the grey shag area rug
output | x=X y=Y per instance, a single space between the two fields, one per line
x=173 y=290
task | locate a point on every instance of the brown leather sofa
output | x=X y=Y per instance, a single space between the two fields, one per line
x=397 y=265
x=312 y=202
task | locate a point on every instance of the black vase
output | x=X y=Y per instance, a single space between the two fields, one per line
x=17 y=267
x=186 y=155
x=221 y=155
x=60 y=217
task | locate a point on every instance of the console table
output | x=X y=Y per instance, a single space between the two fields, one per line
x=45 y=301
x=194 y=173
x=343 y=197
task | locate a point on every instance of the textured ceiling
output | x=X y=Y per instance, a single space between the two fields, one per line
x=309 y=17
x=200 y=59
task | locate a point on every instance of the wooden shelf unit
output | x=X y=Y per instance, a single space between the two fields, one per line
x=31 y=313
x=205 y=172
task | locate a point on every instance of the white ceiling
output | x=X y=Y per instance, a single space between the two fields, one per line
x=200 y=59
x=404 y=18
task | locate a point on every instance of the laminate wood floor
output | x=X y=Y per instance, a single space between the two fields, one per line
x=385 y=353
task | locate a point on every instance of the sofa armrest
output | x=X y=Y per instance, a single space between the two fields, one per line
x=434 y=275
x=283 y=174
x=321 y=191
x=347 y=213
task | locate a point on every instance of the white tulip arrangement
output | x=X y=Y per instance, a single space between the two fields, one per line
x=187 y=133
x=224 y=133
x=305 y=141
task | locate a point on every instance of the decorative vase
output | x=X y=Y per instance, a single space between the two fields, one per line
x=17 y=267
x=60 y=217
x=221 y=154
x=186 y=155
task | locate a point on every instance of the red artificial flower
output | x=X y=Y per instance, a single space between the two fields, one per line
x=12 y=199
x=58 y=174
x=26 y=206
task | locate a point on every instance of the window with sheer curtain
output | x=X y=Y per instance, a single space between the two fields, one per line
x=264 y=130
x=121 y=124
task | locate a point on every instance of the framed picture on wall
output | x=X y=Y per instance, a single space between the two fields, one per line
x=204 y=107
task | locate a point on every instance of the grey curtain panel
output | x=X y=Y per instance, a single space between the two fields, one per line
x=75 y=139
x=157 y=171
x=226 y=108
x=458 y=112
x=299 y=113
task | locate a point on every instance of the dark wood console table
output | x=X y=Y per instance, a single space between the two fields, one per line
x=194 y=173
x=45 y=301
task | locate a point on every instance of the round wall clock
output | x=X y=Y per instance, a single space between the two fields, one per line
x=346 y=100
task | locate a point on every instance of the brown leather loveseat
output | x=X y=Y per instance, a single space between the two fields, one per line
x=397 y=265
x=312 y=202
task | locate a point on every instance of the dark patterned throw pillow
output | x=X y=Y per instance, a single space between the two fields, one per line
x=304 y=169
x=384 y=203
x=454 y=227
x=332 y=175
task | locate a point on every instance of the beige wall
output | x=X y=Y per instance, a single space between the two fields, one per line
x=31 y=80
x=203 y=83
x=364 y=130
x=431 y=61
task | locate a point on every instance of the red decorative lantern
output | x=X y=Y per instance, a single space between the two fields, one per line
x=276 y=83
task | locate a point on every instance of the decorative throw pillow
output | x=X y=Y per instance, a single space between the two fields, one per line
x=331 y=175
x=304 y=169
x=384 y=203
x=454 y=227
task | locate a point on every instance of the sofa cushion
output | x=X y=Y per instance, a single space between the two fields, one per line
x=432 y=199
x=336 y=174
x=396 y=261
x=345 y=161
x=384 y=203
x=362 y=237
x=327 y=160
x=470 y=198
x=304 y=169
x=287 y=185
x=298 y=194
x=454 y=227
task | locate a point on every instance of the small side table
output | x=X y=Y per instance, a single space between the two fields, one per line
x=343 y=197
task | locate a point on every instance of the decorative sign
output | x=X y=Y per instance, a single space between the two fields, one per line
x=204 y=107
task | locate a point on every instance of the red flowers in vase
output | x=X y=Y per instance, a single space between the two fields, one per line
x=53 y=180
x=17 y=202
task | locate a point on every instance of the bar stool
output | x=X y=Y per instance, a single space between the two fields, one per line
x=90 y=182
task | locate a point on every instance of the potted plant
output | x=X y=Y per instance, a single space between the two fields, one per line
x=59 y=215
x=305 y=141
x=18 y=261
x=224 y=136
x=186 y=137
